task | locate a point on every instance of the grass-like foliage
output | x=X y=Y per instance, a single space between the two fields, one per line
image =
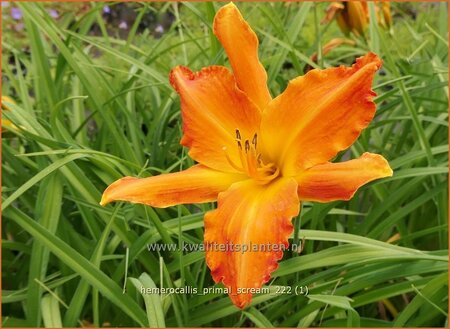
x=92 y=108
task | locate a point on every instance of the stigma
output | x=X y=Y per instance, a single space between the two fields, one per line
x=250 y=161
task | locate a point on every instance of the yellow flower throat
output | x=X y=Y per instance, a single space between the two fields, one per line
x=251 y=161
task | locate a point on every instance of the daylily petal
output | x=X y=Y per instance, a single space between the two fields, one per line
x=331 y=12
x=241 y=46
x=212 y=108
x=319 y=114
x=339 y=181
x=384 y=17
x=195 y=185
x=357 y=16
x=330 y=45
x=249 y=215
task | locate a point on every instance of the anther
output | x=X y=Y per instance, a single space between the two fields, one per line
x=247 y=146
x=238 y=135
x=239 y=145
x=255 y=140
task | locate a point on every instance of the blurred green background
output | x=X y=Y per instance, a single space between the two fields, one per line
x=89 y=102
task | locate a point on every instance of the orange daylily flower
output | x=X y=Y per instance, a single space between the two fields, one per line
x=353 y=16
x=258 y=156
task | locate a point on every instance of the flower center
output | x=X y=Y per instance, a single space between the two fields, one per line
x=251 y=161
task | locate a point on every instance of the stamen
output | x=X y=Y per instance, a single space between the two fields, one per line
x=247 y=146
x=251 y=161
x=238 y=135
x=255 y=140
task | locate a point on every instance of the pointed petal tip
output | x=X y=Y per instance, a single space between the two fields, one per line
x=179 y=72
x=340 y=181
x=104 y=201
x=241 y=46
x=107 y=196
x=381 y=162
x=241 y=301
x=230 y=6
x=224 y=15
x=369 y=59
